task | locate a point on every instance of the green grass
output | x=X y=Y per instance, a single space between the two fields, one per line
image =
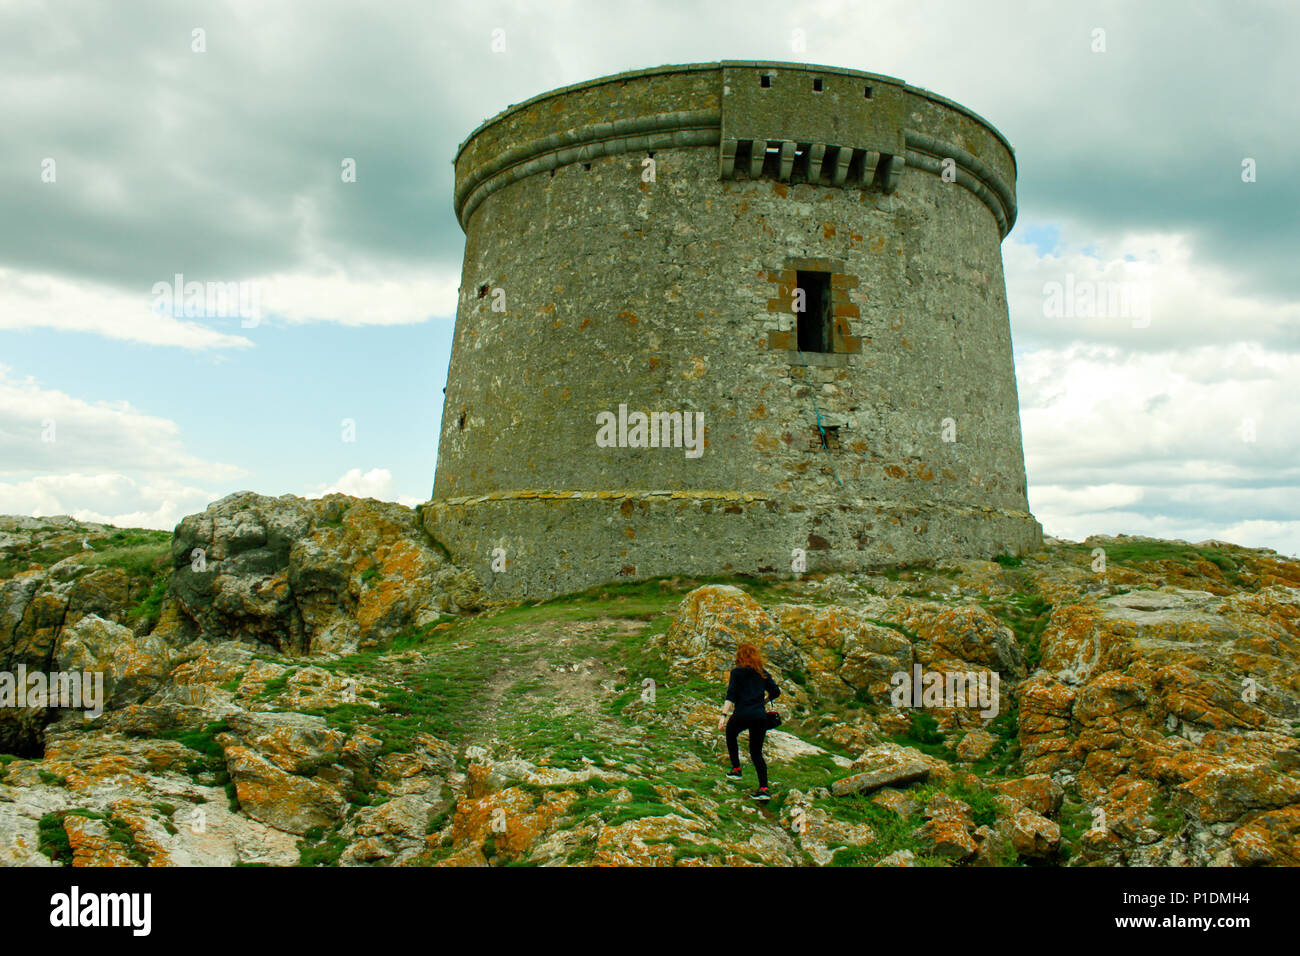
x=209 y=760
x=151 y=605
x=439 y=693
x=1004 y=757
x=275 y=686
x=319 y=847
x=1074 y=820
x=52 y=838
x=1147 y=552
x=1167 y=818
x=1027 y=615
x=893 y=832
x=138 y=552
x=120 y=832
x=925 y=736
x=1008 y=560
x=35 y=558
x=981 y=802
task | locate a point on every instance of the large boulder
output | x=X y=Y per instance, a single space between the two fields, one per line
x=286 y=801
x=37 y=609
x=889 y=765
x=324 y=575
x=845 y=650
x=967 y=634
x=712 y=622
x=133 y=665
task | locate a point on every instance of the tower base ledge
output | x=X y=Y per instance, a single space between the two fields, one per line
x=527 y=545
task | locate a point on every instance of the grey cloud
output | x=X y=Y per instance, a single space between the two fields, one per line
x=226 y=163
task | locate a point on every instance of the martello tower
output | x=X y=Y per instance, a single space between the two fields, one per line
x=806 y=259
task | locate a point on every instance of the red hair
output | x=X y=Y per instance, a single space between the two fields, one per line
x=747 y=655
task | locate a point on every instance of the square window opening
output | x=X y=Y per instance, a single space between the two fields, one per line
x=765 y=81
x=817 y=85
x=813 y=321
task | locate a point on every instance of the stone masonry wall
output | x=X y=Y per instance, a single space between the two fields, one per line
x=674 y=295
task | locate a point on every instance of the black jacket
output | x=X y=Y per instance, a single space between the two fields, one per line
x=746 y=690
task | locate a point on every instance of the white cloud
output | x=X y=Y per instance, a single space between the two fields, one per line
x=1190 y=303
x=108 y=498
x=46 y=431
x=375 y=483
x=1156 y=443
x=361 y=298
x=1094 y=413
x=35 y=300
x=365 y=297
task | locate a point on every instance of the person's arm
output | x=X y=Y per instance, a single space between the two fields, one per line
x=773 y=692
x=728 y=705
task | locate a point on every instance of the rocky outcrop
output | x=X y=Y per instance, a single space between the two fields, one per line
x=846 y=652
x=63 y=571
x=324 y=575
x=713 y=621
x=887 y=765
x=133 y=665
x=1146 y=715
x=320 y=576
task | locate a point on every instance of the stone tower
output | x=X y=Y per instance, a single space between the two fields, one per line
x=803 y=260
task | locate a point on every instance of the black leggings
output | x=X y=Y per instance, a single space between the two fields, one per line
x=757 y=731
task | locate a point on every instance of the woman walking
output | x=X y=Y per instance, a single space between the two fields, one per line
x=748 y=692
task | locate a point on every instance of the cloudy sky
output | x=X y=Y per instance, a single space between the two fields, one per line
x=1159 y=152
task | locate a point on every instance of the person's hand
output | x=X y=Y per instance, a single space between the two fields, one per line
x=722 y=723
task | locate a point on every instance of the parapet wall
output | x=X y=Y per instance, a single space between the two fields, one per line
x=849 y=120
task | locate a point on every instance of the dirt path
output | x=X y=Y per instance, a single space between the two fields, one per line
x=556 y=669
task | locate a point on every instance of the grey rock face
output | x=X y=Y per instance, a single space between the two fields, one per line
x=311 y=576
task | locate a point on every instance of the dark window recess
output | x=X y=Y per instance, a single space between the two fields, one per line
x=813 y=324
x=868 y=92
x=858 y=167
x=883 y=166
x=765 y=81
x=800 y=170
x=817 y=85
x=772 y=160
x=461 y=423
x=827 y=171
x=482 y=290
x=744 y=150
